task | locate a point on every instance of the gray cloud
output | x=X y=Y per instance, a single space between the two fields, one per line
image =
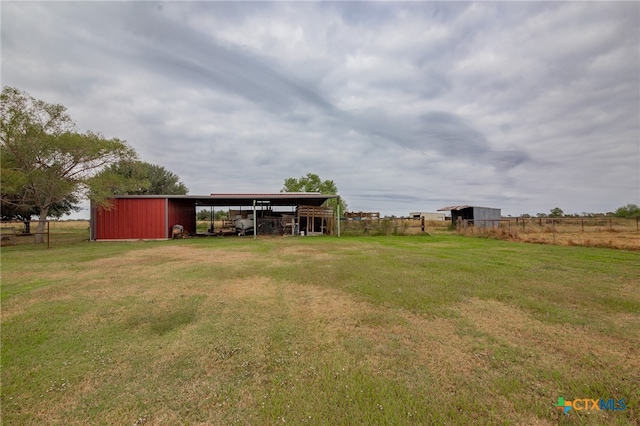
x=406 y=106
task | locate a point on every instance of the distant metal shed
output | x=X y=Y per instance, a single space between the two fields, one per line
x=427 y=216
x=481 y=217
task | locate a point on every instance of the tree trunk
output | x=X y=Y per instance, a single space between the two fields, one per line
x=41 y=226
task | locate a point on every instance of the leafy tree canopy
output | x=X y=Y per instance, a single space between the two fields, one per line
x=141 y=178
x=556 y=212
x=47 y=165
x=312 y=183
x=630 y=210
x=205 y=214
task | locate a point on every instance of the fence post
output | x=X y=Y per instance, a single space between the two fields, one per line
x=582 y=222
x=553 y=225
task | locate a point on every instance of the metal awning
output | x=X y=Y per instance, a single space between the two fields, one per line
x=452 y=208
x=455 y=208
x=241 y=200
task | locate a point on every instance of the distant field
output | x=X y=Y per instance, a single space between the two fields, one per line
x=421 y=330
x=610 y=232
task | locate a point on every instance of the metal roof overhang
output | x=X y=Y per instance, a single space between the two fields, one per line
x=241 y=200
x=452 y=208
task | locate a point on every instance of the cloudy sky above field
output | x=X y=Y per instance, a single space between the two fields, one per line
x=405 y=106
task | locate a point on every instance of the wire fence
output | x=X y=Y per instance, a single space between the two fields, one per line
x=565 y=224
x=612 y=232
x=37 y=234
x=392 y=226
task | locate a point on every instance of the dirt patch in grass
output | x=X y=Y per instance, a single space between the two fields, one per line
x=255 y=288
x=184 y=255
x=622 y=240
x=315 y=253
x=568 y=342
x=117 y=277
x=379 y=334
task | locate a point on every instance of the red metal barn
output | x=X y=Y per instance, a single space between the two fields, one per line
x=142 y=218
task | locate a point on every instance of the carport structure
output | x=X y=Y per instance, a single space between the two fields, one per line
x=149 y=217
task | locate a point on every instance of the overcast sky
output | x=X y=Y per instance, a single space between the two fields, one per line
x=405 y=106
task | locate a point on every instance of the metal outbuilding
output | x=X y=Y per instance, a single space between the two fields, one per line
x=427 y=216
x=151 y=217
x=481 y=217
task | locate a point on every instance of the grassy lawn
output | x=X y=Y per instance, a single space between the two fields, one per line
x=358 y=330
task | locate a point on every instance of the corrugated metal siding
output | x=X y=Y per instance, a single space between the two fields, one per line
x=182 y=212
x=482 y=214
x=132 y=218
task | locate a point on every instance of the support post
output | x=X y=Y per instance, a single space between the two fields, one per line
x=255 y=227
x=338 y=218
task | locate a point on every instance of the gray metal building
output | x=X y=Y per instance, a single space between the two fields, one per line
x=481 y=217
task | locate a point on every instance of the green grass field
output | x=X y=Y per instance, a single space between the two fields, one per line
x=324 y=331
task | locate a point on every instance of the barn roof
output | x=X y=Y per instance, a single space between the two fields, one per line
x=273 y=199
x=455 y=208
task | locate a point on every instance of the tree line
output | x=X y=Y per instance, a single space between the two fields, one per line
x=626 y=211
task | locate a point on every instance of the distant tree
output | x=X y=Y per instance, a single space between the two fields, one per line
x=542 y=215
x=556 y=212
x=46 y=164
x=525 y=215
x=630 y=210
x=141 y=178
x=312 y=183
x=205 y=214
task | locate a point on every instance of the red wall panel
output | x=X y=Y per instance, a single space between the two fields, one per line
x=132 y=218
x=182 y=212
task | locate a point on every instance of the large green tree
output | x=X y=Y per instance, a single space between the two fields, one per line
x=311 y=182
x=45 y=161
x=141 y=178
x=630 y=210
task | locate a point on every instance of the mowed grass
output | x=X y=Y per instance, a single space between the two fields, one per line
x=324 y=331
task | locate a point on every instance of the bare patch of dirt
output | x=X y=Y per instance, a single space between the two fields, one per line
x=182 y=254
x=514 y=326
x=256 y=287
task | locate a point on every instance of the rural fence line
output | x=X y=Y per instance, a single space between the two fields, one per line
x=597 y=224
x=391 y=226
x=531 y=229
x=612 y=232
x=25 y=233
